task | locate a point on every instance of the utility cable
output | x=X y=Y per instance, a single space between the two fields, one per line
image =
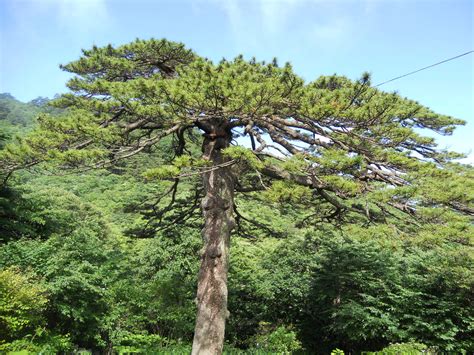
x=429 y=66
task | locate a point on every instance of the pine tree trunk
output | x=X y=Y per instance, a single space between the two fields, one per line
x=217 y=207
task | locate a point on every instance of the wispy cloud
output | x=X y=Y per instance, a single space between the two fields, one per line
x=77 y=16
x=81 y=15
x=275 y=14
x=234 y=13
x=268 y=19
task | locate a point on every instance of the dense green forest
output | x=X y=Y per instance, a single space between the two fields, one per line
x=94 y=259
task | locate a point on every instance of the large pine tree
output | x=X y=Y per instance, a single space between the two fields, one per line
x=342 y=148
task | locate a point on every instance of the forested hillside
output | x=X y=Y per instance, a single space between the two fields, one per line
x=107 y=260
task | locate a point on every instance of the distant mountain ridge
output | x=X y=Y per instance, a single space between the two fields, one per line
x=18 y=113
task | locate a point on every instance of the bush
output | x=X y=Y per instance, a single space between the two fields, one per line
x=402 y=348
x=279 y=340
x=131 y=343
x=22 y=302
x=42 y=342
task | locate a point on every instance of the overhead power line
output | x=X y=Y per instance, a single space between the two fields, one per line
x=429 y=66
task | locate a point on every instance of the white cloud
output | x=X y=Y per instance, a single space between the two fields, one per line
x=77 y=16
x=272 y=14
x=275 y=14
x=234 y=14
x=81 y=15
x=268 y=19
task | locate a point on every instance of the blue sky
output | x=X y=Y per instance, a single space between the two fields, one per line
x=385 y=37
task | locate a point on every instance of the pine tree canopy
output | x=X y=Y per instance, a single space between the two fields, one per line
x=340 y=146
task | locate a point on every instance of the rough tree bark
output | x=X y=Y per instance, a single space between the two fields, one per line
x=217 y=208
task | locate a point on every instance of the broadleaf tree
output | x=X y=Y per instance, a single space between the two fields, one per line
x=342 y=148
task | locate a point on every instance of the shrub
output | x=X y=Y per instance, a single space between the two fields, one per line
x=41 y=342
x=130 y=343
x=402 y=349
x=22 y=302
x=280 y=340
